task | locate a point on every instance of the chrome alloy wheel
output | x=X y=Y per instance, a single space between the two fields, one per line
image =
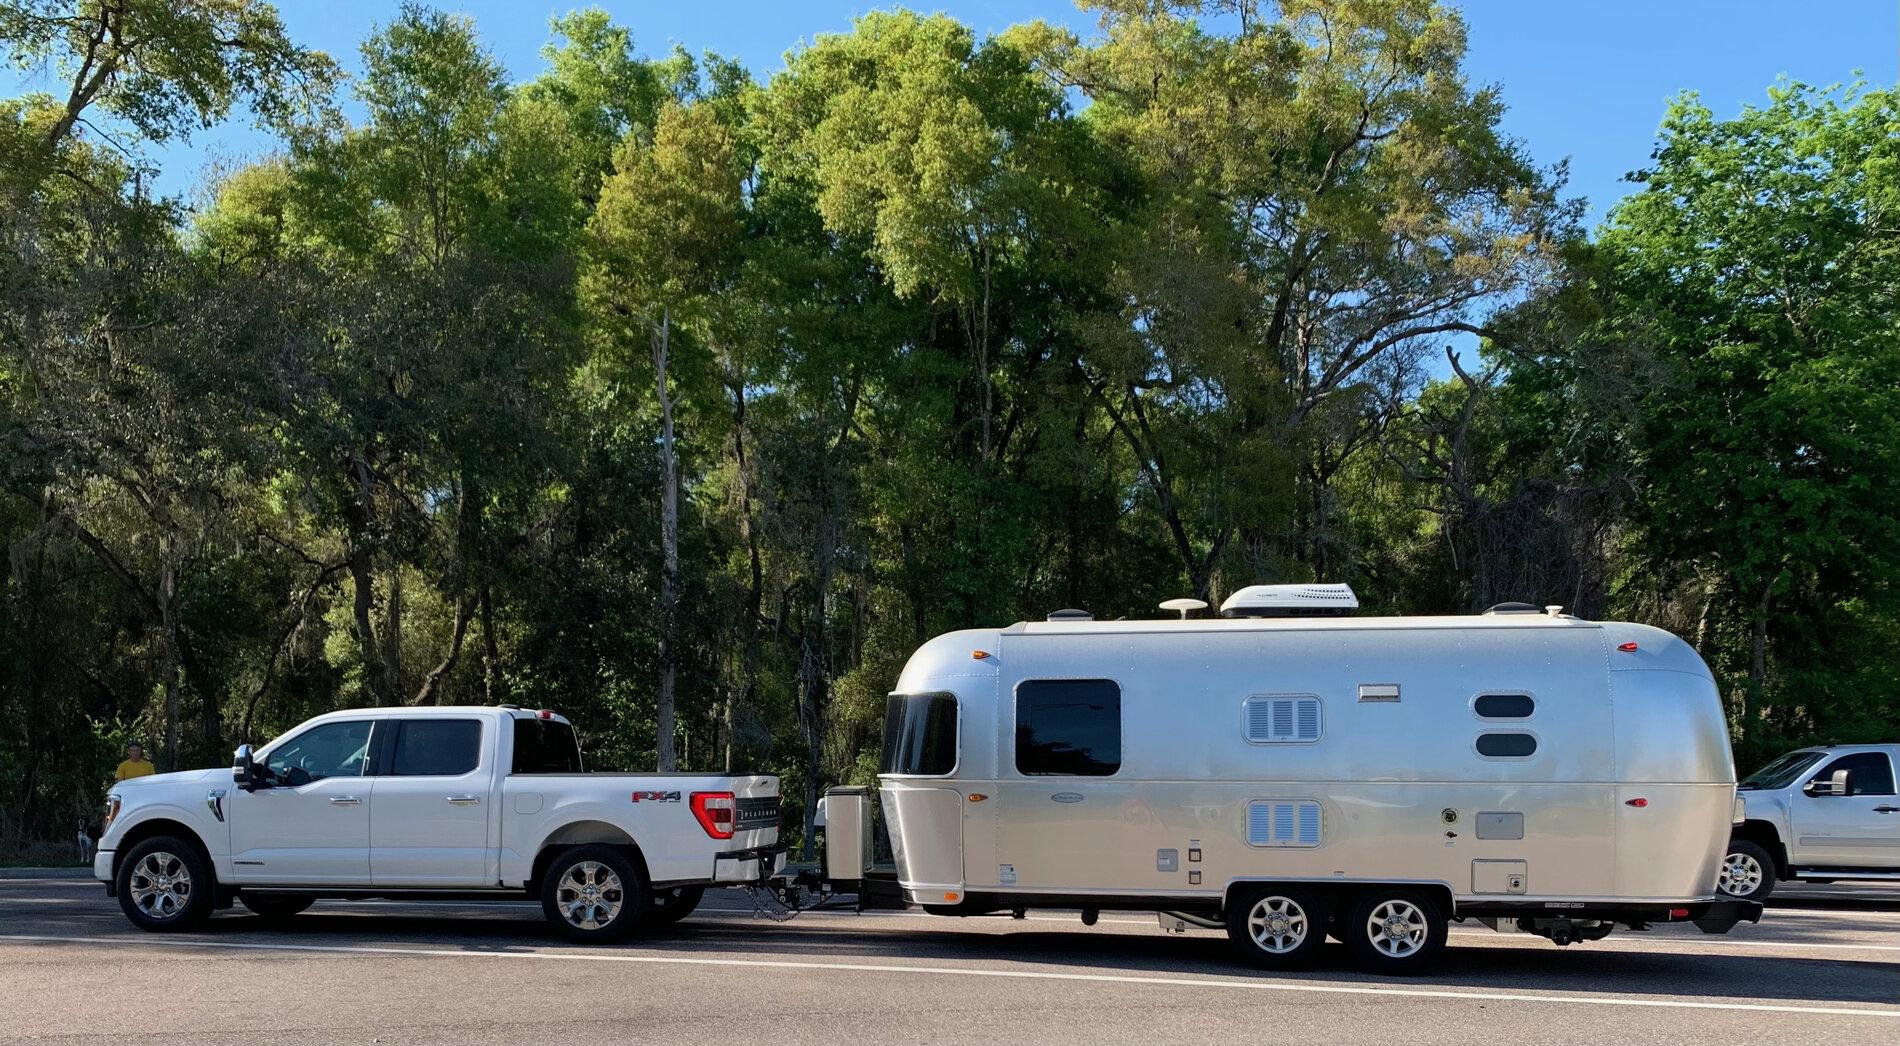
x=1397 y=928
x=590 y=895
x=1278 y=924
x=161 y=885
x=1741 y=875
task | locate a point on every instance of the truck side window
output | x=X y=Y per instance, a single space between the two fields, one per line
x=544 y=746
x=1868 y=773
x=437 y=747
x=1069 y=727
x=326 y=750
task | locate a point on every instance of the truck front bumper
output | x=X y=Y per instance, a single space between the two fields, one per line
x=102 y=870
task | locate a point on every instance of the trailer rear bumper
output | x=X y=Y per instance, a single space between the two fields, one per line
x=1721 y=916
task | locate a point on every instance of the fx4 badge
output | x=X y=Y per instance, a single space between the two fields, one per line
x=656 y=797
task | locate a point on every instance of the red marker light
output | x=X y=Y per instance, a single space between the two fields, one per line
x=544 y=714
x=1637 y=803
x=1627 y=648
x=1678 y=913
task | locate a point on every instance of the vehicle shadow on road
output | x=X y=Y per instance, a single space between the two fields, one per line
x=1585 y=969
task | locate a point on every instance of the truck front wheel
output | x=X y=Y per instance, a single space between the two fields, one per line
x=593 y=894
x=1747 y=871
x=165 y=884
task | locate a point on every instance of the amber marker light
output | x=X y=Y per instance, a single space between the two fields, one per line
x=979 y=654
x=977 y=797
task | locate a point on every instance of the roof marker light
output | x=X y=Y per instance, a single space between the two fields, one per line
x=1627 y=648
x=545 y=713
x=979 y=654
x=1638 y=802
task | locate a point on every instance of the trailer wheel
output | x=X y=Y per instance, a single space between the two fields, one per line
x=1747 y=871
x=593 y=894
x=1276 y=927
x=1393 y=931
x=666 y=907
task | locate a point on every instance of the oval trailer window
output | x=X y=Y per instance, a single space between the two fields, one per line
x=1506 y=746
x=1504 y=706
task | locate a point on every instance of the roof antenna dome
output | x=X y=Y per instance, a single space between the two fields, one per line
x=1185 y=606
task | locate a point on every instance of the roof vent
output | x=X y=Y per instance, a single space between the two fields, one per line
x=1291 y=601
x=1514 y=608
x=1071 y=615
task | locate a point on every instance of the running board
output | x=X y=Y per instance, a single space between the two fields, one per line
x=1842 y=873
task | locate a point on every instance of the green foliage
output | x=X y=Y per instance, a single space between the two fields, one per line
x=641 y=389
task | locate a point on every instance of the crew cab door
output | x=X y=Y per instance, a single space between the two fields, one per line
x=430 y=821
x=310 y=825
x=1858 y=830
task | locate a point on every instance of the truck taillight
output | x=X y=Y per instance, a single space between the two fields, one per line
x=715 y=811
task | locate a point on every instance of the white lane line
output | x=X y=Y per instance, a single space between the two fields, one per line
x=959 y=971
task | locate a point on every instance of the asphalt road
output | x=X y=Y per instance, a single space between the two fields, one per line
x=385 y=972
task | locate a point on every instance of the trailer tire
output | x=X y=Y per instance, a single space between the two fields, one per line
x=165 y=885
x=1748 y=872
x=1393 y=931
x=666 y=907
x=1277 y=928
x=593 y=894
x=275 y=906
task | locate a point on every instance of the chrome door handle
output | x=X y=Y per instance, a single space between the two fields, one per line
x=344 y=800
x=465 y=799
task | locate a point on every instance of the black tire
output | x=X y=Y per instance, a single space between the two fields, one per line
x=589 y=894
x=666 y=907
x=1277 y=928
x=165 y=885
x=275 y=906
x=1747 y=872
x=1393 y=931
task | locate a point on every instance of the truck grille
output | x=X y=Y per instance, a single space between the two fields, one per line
x=756 y=812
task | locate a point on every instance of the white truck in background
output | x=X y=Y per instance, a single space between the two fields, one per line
x=1816 y=814
x=425 y=802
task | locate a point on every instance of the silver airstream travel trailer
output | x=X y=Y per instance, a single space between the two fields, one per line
x=1289 y=772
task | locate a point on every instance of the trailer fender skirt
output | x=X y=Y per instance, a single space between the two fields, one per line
x=1722 y=916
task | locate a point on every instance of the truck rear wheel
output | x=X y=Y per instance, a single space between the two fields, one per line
x=1276 y=927
x=666 y=907
x=275 y=905
x=1393 y=932
x=1747 y=871
x=593 y=894
x=165 y=885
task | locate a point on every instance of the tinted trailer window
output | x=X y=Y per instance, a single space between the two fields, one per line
x=920 y=734
x=1069 y=727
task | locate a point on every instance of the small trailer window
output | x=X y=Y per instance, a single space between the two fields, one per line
x=1506 y=746
x=1504 y=706
x=920 y=735
x=1273 y=719
x=1069 y=727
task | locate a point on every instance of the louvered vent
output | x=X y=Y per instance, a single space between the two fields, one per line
x=1283 y=822
x=1283 y=720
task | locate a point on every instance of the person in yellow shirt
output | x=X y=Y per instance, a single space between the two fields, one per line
x=135 y=765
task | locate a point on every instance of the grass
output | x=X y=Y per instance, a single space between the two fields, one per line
x=38 y=853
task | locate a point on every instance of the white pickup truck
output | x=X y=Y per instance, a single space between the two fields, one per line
x=1816 y=814
x=406 y=802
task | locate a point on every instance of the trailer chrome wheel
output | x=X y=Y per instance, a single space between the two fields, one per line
x=1276 y=927
x=165 y=884
x=593 y=893
x=1394 y=931
x=1747 y=871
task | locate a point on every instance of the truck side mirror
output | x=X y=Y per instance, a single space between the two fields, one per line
x=244 y=768
x=1834 y=784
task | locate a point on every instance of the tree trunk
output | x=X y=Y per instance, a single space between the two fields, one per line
x=669 y=548
x=491 y=653
x=755 y=579
x=392 y=634
x=814 y=666
x=362 y=577
x=168 y=640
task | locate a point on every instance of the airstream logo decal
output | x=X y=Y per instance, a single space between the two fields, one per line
x=1067 y=797
x=656 y=797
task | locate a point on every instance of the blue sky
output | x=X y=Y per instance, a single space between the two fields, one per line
x=1583 y=81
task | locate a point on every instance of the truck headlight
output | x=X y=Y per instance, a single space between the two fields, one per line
x=113 y=802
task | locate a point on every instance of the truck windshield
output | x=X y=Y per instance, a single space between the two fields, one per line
x=920 y=734
x=1780 y=773
x=545 y=746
